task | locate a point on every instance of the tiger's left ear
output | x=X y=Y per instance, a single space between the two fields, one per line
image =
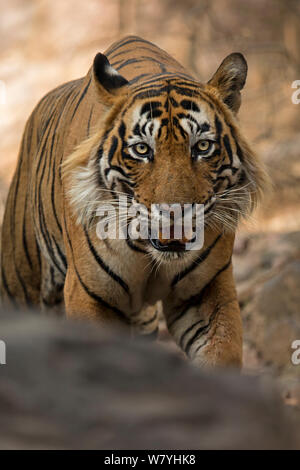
x=107 y=80
x=229 y=80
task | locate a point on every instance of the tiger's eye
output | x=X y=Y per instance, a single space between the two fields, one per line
x=141 y=149
x=203 y=145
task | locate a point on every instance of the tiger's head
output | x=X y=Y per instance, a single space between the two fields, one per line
x=169 y=141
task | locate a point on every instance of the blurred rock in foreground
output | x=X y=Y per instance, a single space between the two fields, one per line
x=69 y=385
x=267 y=272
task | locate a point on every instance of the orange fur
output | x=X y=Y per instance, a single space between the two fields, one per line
x=75 y=145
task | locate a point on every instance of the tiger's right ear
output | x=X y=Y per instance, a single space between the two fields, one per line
x=107 y=80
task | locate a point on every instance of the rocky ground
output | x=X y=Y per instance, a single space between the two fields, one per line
x=267 y=273
x=269 y=295
x=69 y=385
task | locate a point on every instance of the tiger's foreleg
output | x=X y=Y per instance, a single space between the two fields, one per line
x=100 y=278
x=84 y=302
x=208 y=325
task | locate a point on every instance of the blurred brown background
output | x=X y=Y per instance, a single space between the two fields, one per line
x=45 y=43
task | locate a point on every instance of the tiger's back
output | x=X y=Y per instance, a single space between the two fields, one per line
x=28 y=223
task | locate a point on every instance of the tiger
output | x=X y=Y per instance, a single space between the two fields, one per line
x=138 y=124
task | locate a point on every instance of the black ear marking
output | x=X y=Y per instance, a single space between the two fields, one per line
x=230 y=79
x=106 y=75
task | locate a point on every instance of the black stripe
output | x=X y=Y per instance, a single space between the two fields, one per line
x=104 y=266
x=190 y=105
x=202 y=257
x=147 y=322
x=135 y=247
x=112 y=149
x=41 y=150
x=212 y=317
x=161 y=65
x=65 y=102
x=99 y=299
x=149 y=107
x=50 y=152
x=23 y=285
x=239 y=151
x=197 y=298
x=157 y=91
x=80 y=99
x=227 y=167
x=219 y=128
x=153 y=51
x=156 y=113
x=24 y=236
x=178 y=126
x=220 y=181
x=184 y=91
x=125 y=63
x=189 y=82
x=47 y=239
x=5 y=285
x=90 y=293
x=122 y=130
x=46 y=236
x=207 y=99
x=187 y=331
x=13 y=221
x=201 y=346
x=53 y=200
x=159 y=78
x=138 y=78
x=124 y=42
x=137 y=130
x=38 y=254
x=228 y=148
x=200 y=127
x=200 y=331
x=42 y=222
x=61 y=254
x=53 y=173
x=116 y=168
x=173 y=102
x=89 y=121
x=127 y=52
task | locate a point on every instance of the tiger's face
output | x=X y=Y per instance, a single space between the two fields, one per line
x=177 y=142
x=173 y=150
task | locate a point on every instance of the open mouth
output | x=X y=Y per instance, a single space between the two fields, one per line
x=170 y=246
